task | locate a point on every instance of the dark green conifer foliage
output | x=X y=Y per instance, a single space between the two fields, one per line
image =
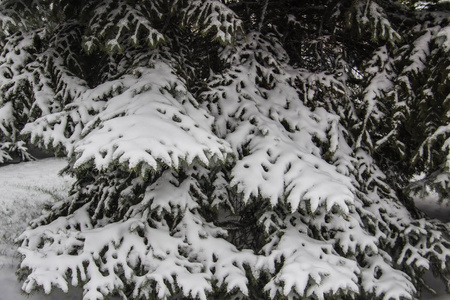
x=232 y=149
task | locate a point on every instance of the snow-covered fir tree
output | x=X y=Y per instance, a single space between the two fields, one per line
x=232 y=149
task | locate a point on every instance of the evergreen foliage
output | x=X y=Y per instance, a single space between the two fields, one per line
x=232 y=149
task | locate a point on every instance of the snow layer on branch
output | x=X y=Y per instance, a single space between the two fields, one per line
x=61 y=130
x=214 y=16
x=380 y=82
x=6 y=117
x=41 y=80
x=370 y=17
x=47 y=73
x=260 y=114
x=4 y=155
x=443 y=38
x=20 y=78
x=311 y=268
x=114 y=24
x=15 y=80
x=6 y=21
x=138 y=126
x=138 y=251
x=333 y=226
x=421 y=51
x=421 y=240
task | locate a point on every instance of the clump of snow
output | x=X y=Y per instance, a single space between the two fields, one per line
x=138 y=126
x=10 y=288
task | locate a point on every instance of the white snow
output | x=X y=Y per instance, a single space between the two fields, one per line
x=10 y=289
x=24 y=190
x=26 y=187
x=222 y=24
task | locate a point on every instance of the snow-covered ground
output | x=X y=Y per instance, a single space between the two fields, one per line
x=26 y=188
